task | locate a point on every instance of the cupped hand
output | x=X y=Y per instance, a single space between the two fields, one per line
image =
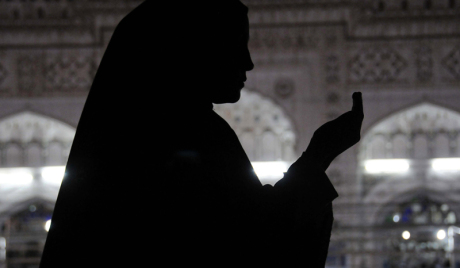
x=336 y=136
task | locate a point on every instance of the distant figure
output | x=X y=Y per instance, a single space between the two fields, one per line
x=156 y=178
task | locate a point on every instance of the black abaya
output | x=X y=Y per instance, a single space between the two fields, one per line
x=155 y=176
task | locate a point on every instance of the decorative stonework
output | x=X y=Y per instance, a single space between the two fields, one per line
x=376 y=65
x=3 y=74
x=424 y=64
x=30 y=74
x=65 y=72
x=36 y=10
x=332 y=98
x=412 y=9
x=283 y=39
x=284 y=87
x=452 y=62
x=332 y=69
x=422 y=132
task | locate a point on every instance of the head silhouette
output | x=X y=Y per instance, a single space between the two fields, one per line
x=229 y=55
x=207 y=46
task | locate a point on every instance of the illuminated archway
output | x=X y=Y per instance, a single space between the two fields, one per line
x=33 y=151
x=409 y=150
x=265 y=132
x=413 y=153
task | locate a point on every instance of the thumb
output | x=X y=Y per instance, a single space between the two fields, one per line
x=357 y=103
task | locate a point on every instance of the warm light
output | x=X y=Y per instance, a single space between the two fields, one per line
x=441 y=234
x=15 y=176
x=53 y=175
x=446 y=164
x=47 y=225
x=386 y=165
x=406 y=235
x=270 y=170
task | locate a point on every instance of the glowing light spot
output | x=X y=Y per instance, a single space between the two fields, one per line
x=446 y=164
x=47 y=225
x=16 y=176
x=396 y=218
x=386 y=165
x=405 y=235
x=53 y=175
x=270 y=170
x=441 y=234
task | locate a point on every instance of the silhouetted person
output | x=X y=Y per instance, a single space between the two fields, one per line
x=156 y=177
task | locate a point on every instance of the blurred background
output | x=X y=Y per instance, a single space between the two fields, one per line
x=398 y=187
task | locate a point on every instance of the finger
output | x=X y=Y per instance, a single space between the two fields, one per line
x=357 y=103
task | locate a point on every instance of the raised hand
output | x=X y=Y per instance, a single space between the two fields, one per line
x=336 y=136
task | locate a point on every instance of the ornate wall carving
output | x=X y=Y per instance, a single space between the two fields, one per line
x=452 y=62
x=376 y=65
x=36 y=10
x=425 y=131
x=55 y=71
x=70 y=70
x=30 y=73
x=424 y=63
x=332 y=69
x=284 y=87
x=289 y=38
x=3 y=73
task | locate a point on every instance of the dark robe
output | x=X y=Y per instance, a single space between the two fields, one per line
x=156 y=177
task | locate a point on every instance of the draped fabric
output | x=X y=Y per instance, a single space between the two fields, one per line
x=156 y=177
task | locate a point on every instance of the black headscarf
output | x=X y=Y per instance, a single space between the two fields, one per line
x=144 y=114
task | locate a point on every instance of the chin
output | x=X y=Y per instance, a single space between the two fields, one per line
x=228 y=98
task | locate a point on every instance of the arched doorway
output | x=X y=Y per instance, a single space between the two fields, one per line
x=33 y=153
x=408 y=171
x=265 y=132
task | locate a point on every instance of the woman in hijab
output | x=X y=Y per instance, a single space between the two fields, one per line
x=156 y=177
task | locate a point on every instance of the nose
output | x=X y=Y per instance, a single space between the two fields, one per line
x=249 y=65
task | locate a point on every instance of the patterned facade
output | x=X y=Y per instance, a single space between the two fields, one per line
x=310 y=56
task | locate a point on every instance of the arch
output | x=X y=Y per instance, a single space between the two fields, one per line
x=27 y=130
x=417 y=134
x=414 y=122
x=265 y=131
x=387 y=114
x=29 y=141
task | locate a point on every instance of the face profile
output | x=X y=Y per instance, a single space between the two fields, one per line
x=229 y=72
